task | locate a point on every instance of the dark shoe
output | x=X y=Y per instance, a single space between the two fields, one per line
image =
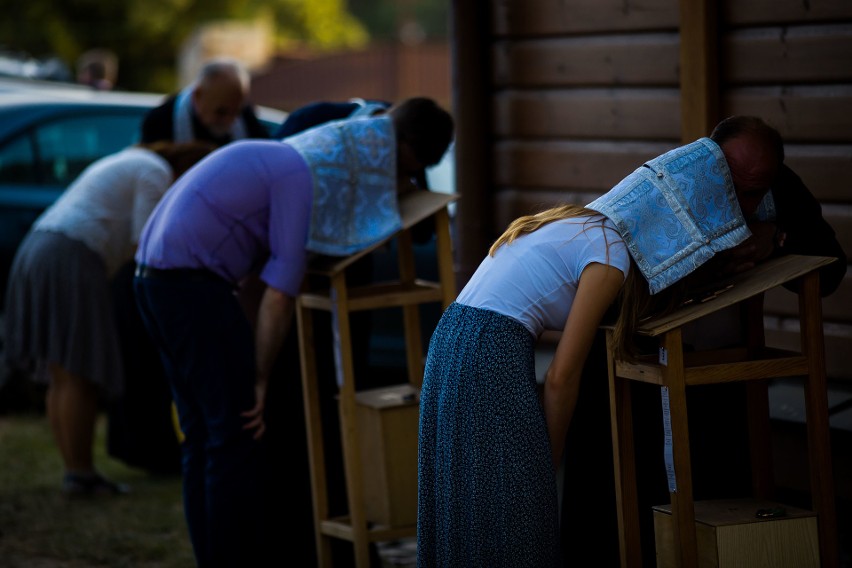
x=77 y=485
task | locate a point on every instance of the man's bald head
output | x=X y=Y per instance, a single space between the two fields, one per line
x=754 y=152
x=220 y=93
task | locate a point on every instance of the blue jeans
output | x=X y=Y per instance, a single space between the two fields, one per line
x=207 y=348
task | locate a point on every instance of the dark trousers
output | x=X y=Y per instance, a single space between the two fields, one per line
x=207 y=348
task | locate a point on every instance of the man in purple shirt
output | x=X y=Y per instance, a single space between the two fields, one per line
x=258 y=207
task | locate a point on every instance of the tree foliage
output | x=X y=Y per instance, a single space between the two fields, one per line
x=147 y=34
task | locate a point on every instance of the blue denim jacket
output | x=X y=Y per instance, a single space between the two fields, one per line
x=676 y=211
x=353 y=166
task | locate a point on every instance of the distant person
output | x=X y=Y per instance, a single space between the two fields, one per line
x=214 y=108
x=98 y=68
x=259 y=207
x=59 y=318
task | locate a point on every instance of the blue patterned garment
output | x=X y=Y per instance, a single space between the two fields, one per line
x=676 y=212
x=353 y=166
x=486 y=488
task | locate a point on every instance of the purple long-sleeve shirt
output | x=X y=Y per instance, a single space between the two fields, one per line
x=245 y=207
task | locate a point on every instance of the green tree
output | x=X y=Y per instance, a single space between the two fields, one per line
x=146 y=34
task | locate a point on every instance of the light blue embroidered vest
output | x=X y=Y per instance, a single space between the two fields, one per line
x=353 y=166
x=676 y=212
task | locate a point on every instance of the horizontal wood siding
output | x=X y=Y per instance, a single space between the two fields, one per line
x=802 y=113
x=790 y=62
x=788 y=55
x=827 y=169
x=595 y=114
x=610 y=60
x=585 y=91
x=567 y=17
x=763 y=12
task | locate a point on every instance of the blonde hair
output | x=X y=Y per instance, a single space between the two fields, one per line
x=529 y=223
x=634 y=301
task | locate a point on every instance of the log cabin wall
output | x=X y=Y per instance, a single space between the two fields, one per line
x=558 y=100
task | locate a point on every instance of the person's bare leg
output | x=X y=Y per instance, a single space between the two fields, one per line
x=72 y=407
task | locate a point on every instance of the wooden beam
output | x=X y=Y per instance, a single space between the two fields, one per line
x=699 y=68
x=471 y=72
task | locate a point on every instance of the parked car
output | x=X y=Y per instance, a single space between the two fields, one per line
x=49 y=133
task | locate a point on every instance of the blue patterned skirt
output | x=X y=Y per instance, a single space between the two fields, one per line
x=486 y=487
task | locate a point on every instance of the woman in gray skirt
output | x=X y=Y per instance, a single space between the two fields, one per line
x=489 y=443
x=59 y=321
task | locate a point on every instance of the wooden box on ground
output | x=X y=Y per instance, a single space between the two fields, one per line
x=387 y=428
x=730 y=535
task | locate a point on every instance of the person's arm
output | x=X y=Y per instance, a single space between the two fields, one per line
x=799 y=228
x=805 y=230
x=274 y=320
x=598 y=287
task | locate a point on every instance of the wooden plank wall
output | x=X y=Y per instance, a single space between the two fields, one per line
x=791 y=63
x=583 y=91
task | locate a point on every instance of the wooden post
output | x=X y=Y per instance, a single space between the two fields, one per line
x=471 y=79
x=699 y=68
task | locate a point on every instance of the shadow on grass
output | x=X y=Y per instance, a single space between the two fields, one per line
x=39 y=527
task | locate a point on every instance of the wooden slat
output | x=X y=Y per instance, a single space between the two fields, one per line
x=555 y=17
x=801 y=113
x=413 y=208
x=767 y=12
x=618 y=114
x=796 y=54
x=637 y=59
x=821 y=166
x=575 y=165
x=759 y=279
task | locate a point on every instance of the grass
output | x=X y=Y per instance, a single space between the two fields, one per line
x=41 y=528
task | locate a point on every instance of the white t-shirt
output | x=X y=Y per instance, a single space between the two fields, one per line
x=108 y=204
x=534 y=279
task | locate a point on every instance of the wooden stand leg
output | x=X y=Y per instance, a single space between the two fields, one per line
x=348 y=428
x=627 y=501
x=683 y=507
x=313 y=422
x=816 y=407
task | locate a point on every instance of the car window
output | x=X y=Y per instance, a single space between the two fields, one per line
x=66 y=146
x=17 y=161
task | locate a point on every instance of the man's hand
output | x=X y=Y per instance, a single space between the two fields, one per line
x=255 y=415
x=757 y=248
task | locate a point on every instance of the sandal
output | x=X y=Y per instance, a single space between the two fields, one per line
x=91 y=485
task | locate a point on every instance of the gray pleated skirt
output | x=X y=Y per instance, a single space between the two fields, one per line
x=487 y=493
x=59 y=310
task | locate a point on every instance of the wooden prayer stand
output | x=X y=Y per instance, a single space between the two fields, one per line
x=753 y=362
x=408 y=293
